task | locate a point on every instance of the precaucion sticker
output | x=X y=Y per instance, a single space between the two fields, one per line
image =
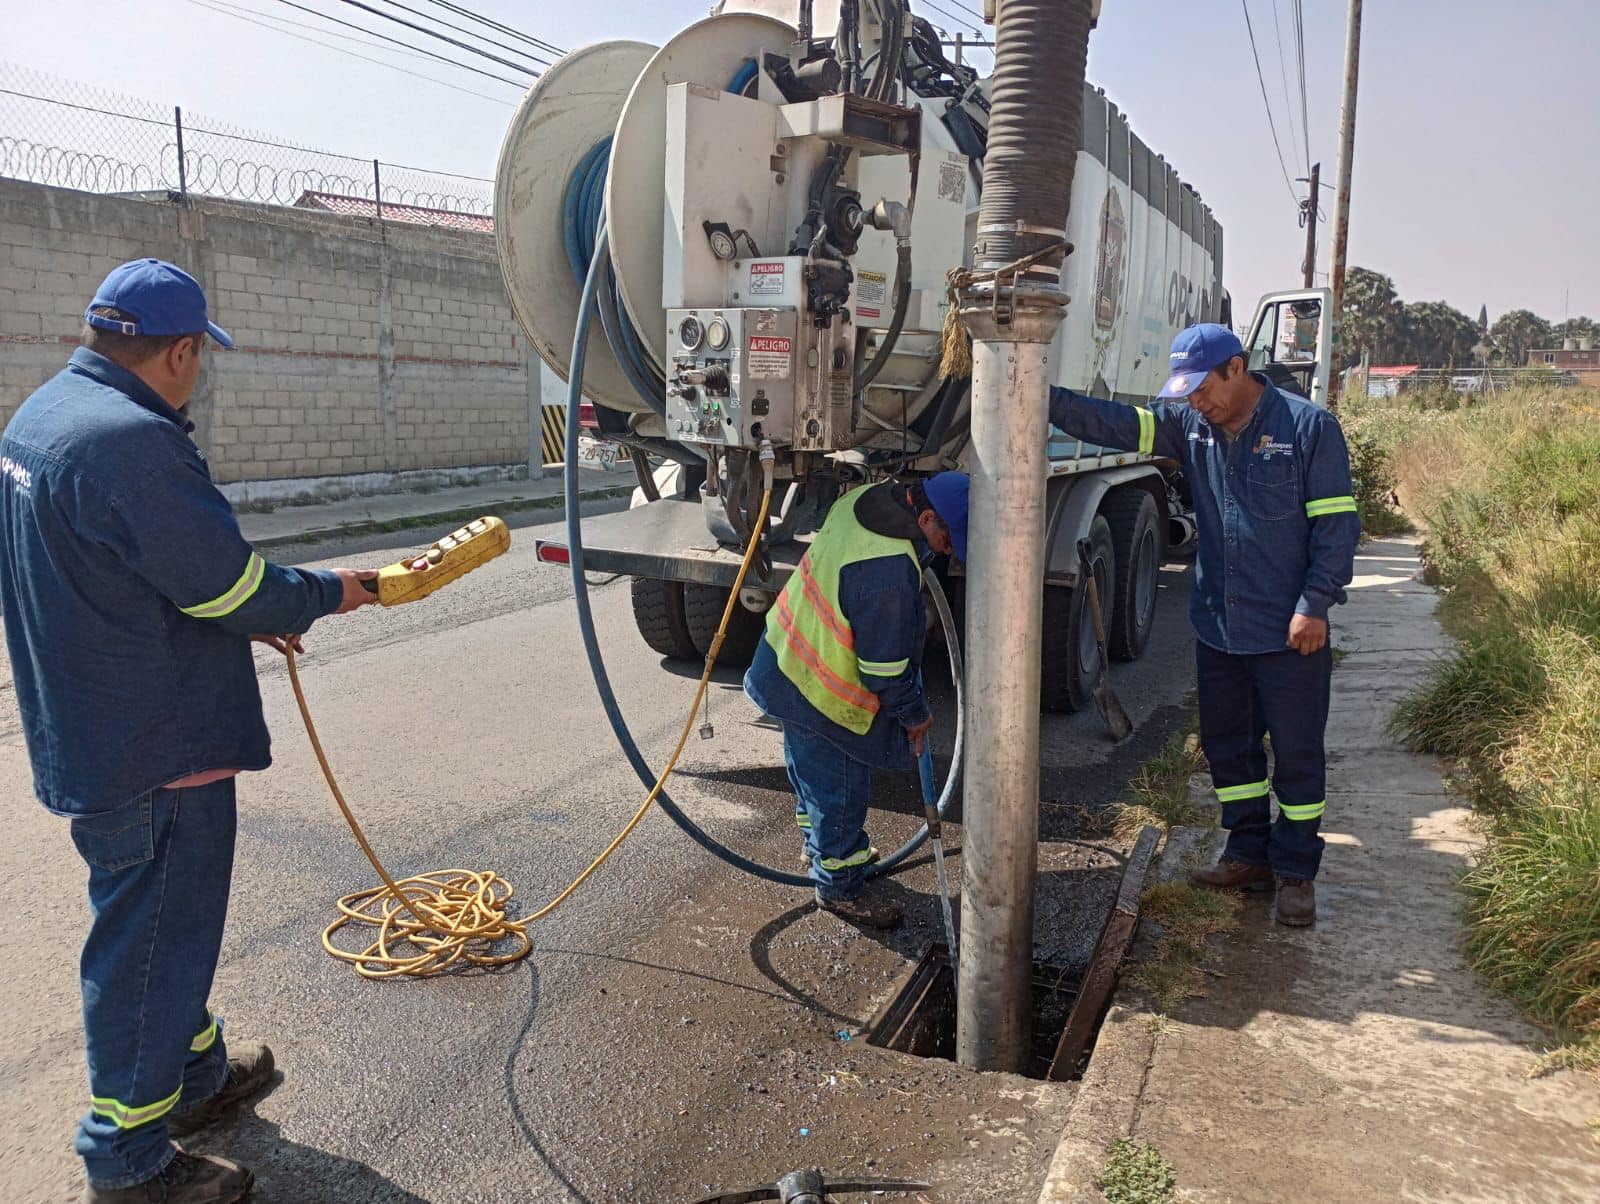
x=766 y=279
x=769 y=357
x=871 y=290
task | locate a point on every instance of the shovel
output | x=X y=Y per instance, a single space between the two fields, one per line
x=1105 y=699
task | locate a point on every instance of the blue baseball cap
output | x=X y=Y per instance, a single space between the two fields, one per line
x=1195 y=352
x=159 y=298
x=947 y=492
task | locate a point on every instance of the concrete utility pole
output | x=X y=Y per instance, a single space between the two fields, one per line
x=1347 y=147
x=1309 y=267
x=1012 y=308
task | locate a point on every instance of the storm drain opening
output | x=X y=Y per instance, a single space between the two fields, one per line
x=1068 y=1004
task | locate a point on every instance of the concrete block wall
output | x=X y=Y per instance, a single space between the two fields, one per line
x=362 y=347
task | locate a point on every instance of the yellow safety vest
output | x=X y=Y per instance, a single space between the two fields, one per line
x=815 y=646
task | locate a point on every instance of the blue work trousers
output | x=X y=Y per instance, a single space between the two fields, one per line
x=1242 y=699
x=159 y=870
x=831 y=792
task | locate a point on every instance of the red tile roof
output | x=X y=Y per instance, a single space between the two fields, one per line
x=356 y=206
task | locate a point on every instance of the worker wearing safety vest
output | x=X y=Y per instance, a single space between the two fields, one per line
x=1278 y=529
x=840 y=669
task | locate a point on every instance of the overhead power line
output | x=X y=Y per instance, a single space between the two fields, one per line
x=956 y=17
x=275 y=24
x=432 y=33
x=1271 y=124
x=497 y=26
x=540 y=59
x=1283 y=75
x=1300 y=50
x=407 y=45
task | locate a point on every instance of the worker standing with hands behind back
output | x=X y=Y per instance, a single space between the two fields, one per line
x=1278 y=533
x=130 y=601
x=840 y=667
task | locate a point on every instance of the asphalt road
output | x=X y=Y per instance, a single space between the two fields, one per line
x=678 y=1026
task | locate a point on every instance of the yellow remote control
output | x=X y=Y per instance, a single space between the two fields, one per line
x=453 y=556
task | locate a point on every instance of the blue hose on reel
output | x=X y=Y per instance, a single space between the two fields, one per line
x=588 y=251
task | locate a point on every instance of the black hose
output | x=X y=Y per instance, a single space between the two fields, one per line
x=591 y=642
x=902 y=302
x=1034 y=118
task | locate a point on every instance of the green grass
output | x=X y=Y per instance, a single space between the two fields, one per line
x=1136 y=1173
x=1159 y=793
x=1189 y=916
x=1509 y=490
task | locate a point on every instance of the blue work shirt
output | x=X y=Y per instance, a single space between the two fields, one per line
x=129 y=595
x=1275 y=507
x=881 y=599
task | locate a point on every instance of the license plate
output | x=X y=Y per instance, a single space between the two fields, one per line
x=594 y=453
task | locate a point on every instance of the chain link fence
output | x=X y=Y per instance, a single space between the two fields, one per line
x=73 y=135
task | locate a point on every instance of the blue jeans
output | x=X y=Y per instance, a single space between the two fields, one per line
x=159 y=870
x=831 y=791
x=1242 y=698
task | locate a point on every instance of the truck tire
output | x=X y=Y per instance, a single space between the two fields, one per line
x=658 y=614
x=702 y=610
x=1136 y=540
x=1069 y=657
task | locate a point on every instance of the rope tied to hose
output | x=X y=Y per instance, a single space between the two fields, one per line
x=955 y=359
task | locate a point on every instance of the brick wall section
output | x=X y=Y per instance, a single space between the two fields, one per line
x=363 y=348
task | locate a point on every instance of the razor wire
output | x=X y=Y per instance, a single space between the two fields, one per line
x=72 y=136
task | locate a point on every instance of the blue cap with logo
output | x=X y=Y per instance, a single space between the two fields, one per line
x=947 y=492
x=159 y=298
x=1195 y=352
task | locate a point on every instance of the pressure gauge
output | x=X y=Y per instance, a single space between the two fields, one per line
x=691 y=334
x=717 y=334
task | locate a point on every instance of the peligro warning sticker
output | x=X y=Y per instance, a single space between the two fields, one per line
x=769 y=357
x=871 y=289
x=766 y=279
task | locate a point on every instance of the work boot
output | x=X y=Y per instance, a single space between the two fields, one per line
x=187 y=1179
x=868 y=909
x=1297 y=902
x=248 y=1073
x=805 y=859
x=1229 y=874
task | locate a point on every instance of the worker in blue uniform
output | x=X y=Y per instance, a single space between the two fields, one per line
x=840 y=667
x=130 y=601
x=1278 y=529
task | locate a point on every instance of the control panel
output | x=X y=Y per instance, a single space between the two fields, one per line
x=731 y=375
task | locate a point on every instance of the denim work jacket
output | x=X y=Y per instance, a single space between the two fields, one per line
x=1278 y=522
x=129 y=595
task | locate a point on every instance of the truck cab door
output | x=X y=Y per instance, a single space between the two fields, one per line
x=1291 y=341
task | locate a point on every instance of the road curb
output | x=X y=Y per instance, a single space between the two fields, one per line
x=442 y=517
x=1106 y=1106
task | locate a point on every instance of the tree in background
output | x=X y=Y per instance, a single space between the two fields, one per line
x=1372 y=320
x=1437 y=334
x=1517 y=333
x=1574 y=328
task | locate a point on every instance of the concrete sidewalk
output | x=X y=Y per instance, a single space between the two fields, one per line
x=1360 y=1060
x=375 y=513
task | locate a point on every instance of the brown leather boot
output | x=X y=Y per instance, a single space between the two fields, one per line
x=1229 y=874
x=1297 y=902
x=187 y=1179
x=249 y=1070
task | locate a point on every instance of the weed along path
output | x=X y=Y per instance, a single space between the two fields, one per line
x=1361 y=1060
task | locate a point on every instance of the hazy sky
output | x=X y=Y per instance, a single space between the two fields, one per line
x=1477 y=174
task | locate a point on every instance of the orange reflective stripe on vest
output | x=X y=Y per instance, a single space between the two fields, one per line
x=823 y=608
x=847 y=692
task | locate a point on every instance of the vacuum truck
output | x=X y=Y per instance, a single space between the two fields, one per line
x=768 y=209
